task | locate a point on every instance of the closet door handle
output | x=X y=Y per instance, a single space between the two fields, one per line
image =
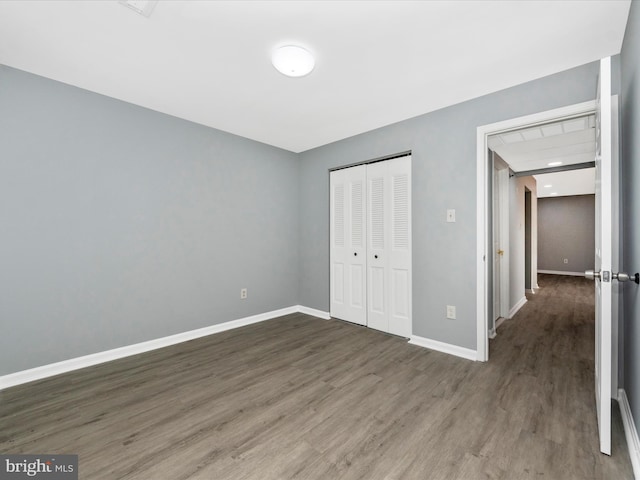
x=375 y=256
x=355 y=254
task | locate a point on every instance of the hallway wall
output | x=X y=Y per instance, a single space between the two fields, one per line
x=566 y=229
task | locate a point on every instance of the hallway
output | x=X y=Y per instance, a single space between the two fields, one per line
x=547 y=351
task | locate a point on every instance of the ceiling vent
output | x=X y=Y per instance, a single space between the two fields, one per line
x=143 y=7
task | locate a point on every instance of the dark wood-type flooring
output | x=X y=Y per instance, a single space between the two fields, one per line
x=298 y=397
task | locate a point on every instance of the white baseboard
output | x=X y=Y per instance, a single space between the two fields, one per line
x=517 y=307
x=313 y=312
x=560 y=272
x=630 y=432
x=65 y=366
x=444 y=347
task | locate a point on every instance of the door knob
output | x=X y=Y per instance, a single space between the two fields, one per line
x=375 y=256
x=621 y=276
x=500 y=252
x=591 y=275
x=625 y=277
x=355 y=254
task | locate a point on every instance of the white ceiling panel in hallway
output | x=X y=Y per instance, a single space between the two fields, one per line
x=568 y=142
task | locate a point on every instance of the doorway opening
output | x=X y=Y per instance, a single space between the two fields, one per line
x=534 y=241
x=606 y=259
x=520 y=177
x=552 y=162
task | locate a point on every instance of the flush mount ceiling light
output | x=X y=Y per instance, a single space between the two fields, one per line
x=293 y=61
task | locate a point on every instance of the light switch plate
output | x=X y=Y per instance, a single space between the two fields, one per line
x=451 y=215
x=451 y=312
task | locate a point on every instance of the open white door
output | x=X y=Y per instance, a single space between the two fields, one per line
x=498 y=252
x=500 y=203
x=602 y=273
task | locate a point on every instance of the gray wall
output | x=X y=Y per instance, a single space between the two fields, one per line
x=566 y=229
x=444 y=176
x=630 y=100
x=120 y=224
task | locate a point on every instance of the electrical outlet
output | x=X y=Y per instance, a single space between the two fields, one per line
x=243 y=293
x=451 y=312
x=566 y=260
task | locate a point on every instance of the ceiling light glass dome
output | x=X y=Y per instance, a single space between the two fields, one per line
x=293 y=61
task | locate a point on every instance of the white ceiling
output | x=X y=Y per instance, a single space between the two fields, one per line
x=570 y=141
x=574 y=182
x=378 y=62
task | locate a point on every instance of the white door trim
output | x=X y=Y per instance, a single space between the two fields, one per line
x=482 y=204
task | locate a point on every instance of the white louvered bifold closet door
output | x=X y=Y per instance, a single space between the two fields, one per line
x=370 y=252
x=389 y=246
x=348 y=245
